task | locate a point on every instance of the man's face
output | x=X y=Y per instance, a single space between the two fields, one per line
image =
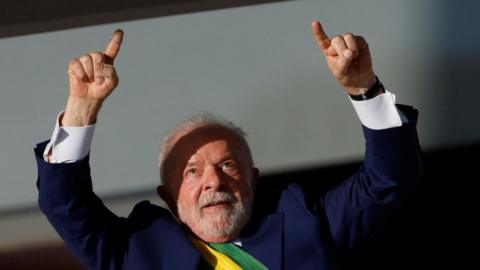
x=212 y=183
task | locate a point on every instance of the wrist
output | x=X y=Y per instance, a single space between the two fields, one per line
x=81 y=111
x=362 y=85
x=374 y=90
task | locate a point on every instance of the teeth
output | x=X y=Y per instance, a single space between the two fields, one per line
x=214 y=203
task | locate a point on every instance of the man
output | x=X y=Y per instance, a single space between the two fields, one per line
x=213 y=220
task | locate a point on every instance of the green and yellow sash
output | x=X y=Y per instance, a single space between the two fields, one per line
x=227 y=256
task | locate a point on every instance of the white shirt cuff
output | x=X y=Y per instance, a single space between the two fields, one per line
x=379 y=112
x=69 y=144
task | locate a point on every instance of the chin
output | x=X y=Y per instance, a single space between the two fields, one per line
x=218 y=230
x=224 y=225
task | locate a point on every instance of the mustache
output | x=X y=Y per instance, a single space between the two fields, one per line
x=208 y=199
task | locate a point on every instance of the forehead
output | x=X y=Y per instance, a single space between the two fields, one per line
x=214 y=151
x=204 y=140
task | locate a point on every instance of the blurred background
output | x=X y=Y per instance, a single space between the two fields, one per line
x=256 y=63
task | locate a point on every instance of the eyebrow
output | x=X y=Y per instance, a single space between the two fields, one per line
x=227 y=156
x=191 y=163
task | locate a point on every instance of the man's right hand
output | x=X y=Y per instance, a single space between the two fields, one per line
x=92 y=79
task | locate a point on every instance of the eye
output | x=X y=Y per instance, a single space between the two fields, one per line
x=191 y=171
x=229 y=165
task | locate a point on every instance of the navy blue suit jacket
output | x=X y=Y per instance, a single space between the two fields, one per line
x=291 y=228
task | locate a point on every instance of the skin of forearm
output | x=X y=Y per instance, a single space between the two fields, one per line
x=81 y=111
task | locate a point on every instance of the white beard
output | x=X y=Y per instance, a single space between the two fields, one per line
x=225 y=222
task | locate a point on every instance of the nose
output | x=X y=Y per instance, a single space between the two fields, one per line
x=214 y=180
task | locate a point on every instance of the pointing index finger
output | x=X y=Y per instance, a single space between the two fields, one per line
x=113 y=46
x=320 y=35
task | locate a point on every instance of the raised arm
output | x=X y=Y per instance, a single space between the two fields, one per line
x=357 y=207
x=96 y=236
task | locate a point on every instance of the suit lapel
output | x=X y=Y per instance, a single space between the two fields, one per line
x=181 y=254
x=264 y=240
x=261 y=238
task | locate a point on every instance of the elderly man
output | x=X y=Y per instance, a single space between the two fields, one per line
x=214 y=219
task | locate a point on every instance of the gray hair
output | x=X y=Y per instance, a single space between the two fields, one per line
x=195 y=121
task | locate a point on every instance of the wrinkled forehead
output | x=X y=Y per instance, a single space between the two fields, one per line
x=193 y=139
x=186 y=143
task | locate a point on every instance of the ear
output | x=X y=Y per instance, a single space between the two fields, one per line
x=255 y=177
x=163 y=192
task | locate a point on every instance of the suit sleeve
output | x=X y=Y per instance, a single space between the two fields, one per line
x=359 y=206
x=95 y=235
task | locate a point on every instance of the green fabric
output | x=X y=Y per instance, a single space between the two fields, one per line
x=242 y=258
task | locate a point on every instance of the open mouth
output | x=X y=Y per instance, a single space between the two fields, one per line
x=218 y=204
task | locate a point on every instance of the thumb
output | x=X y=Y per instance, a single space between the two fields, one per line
x=344 y=62
x=110 y=77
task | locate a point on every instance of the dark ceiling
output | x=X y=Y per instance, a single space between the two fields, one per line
x=21 y=17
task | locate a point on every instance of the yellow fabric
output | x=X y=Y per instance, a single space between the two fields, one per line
x=216 y=259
